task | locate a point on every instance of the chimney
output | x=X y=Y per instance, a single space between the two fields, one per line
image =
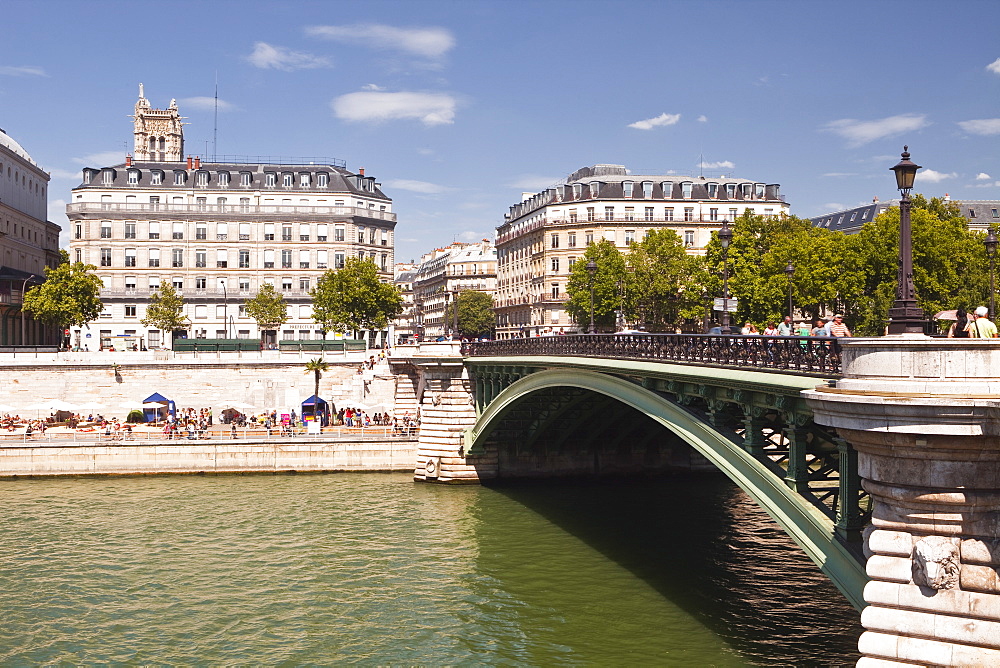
x=361 y=171
x=947 y=197
x=875 y=199
x=197 y=162
x=189 y=162
x=128 y=160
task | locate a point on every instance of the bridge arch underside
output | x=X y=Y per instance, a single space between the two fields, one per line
x=574 y=422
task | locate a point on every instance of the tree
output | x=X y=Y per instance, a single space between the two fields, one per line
x=354 y=298
x=165 y=310
x=607 y=297
x=69 y=297
x=268 y=308
x=317 y=367
x=475 y=313
x=664 y=285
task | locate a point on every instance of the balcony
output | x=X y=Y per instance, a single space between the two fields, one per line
x=235 y=210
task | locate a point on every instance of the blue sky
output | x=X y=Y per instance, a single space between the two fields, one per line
x=458 y=107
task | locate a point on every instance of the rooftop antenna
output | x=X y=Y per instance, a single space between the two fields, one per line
x=215 y=125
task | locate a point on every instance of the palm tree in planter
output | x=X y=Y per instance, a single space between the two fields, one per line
x=317 y=367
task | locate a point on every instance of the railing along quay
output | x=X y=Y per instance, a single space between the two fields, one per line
x=801 y=355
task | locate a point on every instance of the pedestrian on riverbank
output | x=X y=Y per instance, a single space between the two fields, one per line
x=838 y=328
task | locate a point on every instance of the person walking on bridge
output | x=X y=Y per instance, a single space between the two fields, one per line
x=981 y=327
x=838 y=328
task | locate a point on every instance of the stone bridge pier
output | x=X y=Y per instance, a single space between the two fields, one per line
x=924 y=417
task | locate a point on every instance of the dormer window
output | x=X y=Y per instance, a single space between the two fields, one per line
x=88 y=174
x=577 y=190
x=731 y=190
x=246 y=179
x=287 y=179
x=223 y=179
x=270 y=179
x=627 y=188
x=133 y=177
x=595 y=188
x=746 y=190
x=180 y=176
x=156 y=177
x=322 y=180
x=647 y=189
x=758 y=190
x=202 y=179
x=304 y=180
x=713 y=190
x=668 y=189
x=108 y=177
x=686 y=188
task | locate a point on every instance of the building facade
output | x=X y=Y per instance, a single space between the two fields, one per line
x=28 y=243
x=217 y=232
x=980 y=214
x=404 y=275
x=544 y=234
x=444 y=273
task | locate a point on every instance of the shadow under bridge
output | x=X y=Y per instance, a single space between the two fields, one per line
x=548 y=417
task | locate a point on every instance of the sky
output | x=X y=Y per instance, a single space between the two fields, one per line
x=459 y=106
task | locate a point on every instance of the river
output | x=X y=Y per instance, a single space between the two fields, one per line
x=376 y=569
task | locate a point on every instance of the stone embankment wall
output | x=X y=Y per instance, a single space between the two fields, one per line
x=208 y=457
x=924 y=416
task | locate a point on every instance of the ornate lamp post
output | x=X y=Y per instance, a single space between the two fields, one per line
x=225 y=305
x=24 y=288
x=789 y=272
x=592 y=269
x=991 y=249
x=725 y=236
x=904 y=315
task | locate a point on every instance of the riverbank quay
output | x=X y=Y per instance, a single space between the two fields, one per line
x=53 y=457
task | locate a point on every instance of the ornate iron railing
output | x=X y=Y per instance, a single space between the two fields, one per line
x=801 y=355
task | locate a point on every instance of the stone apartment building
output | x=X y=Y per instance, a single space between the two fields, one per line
x=444 y=273
x=545 y=233
x=217 y=231
x=28 y=243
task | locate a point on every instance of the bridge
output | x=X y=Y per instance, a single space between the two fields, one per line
x=879 y=457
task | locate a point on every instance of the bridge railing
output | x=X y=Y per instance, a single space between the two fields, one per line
x=804 y=355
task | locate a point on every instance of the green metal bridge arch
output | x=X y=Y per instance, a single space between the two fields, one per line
x=798 y=514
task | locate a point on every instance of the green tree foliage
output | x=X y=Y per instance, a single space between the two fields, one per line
x=268 y=308
x=69 y=297
x=610 y=274
x=165 y=310
x=354 y=298
x=317 y=367
x=475 y=314
x=664 y=285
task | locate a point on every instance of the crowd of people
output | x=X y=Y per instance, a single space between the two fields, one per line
x=975 y=325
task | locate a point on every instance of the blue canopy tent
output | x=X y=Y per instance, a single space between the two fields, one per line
x=153 y=414
x=314 y=408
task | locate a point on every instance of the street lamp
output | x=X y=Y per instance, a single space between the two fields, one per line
x=24 y=287
x=225 y=305
x=789 y=272
x=592 y=269
x=991 y=249
x=904 y=315
x=725 y=236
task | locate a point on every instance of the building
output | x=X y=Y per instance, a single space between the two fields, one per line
x=217 y=231
x=404 y=275
x=980 y=214
x=444 y=273
x=28 y=243
x=544 y=234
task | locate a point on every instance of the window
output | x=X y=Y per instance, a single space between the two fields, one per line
x=322 y=180
x=303 y=285
x=686 y=189
x=129 y=230
x=589 y=238
x=105 y=257
x=108 y=176
x=268 y=231
x=133 y=178
x=629 y=237
x=287 y=180
x=713 y=214
x=630 y=213
x=178 y=231
x=79 y=255
x=221 y=258
x=995 y=213
x=201 y=179
x=590 y=213
x=130 y=311
x=200 y=258
x=303 y=259
x=244 y=231
x=154 y=257
x=246 y=179
x=609 y=213
x=321 y=232
x=179 y=178
x=571 y=240
x=854 y=214
x=627 y=188
x=105 y=229
x=555 y=291
x=595 y=188
x=244 y=259
x=129 y=257
x=156 y=178
x=154 y=282
x=713 y=190
x=338 y=233
x=223 y=179
x=304 y=180
x=361 y=235
x=338 y=260
x=286 y=285
x=689 y=213
x=385 y=237
x=244 y=284
x=769 y=213
x=269 y=259
x=201 y=311
x=572 y=215
x=270 y=179
x=201 y=231
x=668 y=213
x=647 y=189
x=177 y=258
x=177 y=282
x=554 y=240
x=732 y=214
x=130 y=282
x=79 y=231
x=689 y=237
x=303 y=233
x=286 y=232
x=384 y=262
x=758 y=190
x=154 y=230
x=286 y=259
x=731 y=191
x=972 y=213
x=200 y=283
x=668 y=189
x=555 y=264
x=610 y=235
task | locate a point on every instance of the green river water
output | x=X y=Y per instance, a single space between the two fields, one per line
x=377 y=570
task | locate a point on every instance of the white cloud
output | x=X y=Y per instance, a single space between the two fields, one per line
x=703 y=119
x=839 y=174
x=422 y=187
x=102 y=159
x=832 y=206
x=994 y=66
x=68 y=174
x=428 y=108
x=931 y=176
x=473 y=236
x=425 y=42
x=983 y=176
x=722 y=164
x=650 y=123
x=372 y=87
x=857 y=133
x=982 y=126
x=268 y=57
x=533 y=182
x=425 y=151
x=22 y=71
x=991 y=184
x=206 y=103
